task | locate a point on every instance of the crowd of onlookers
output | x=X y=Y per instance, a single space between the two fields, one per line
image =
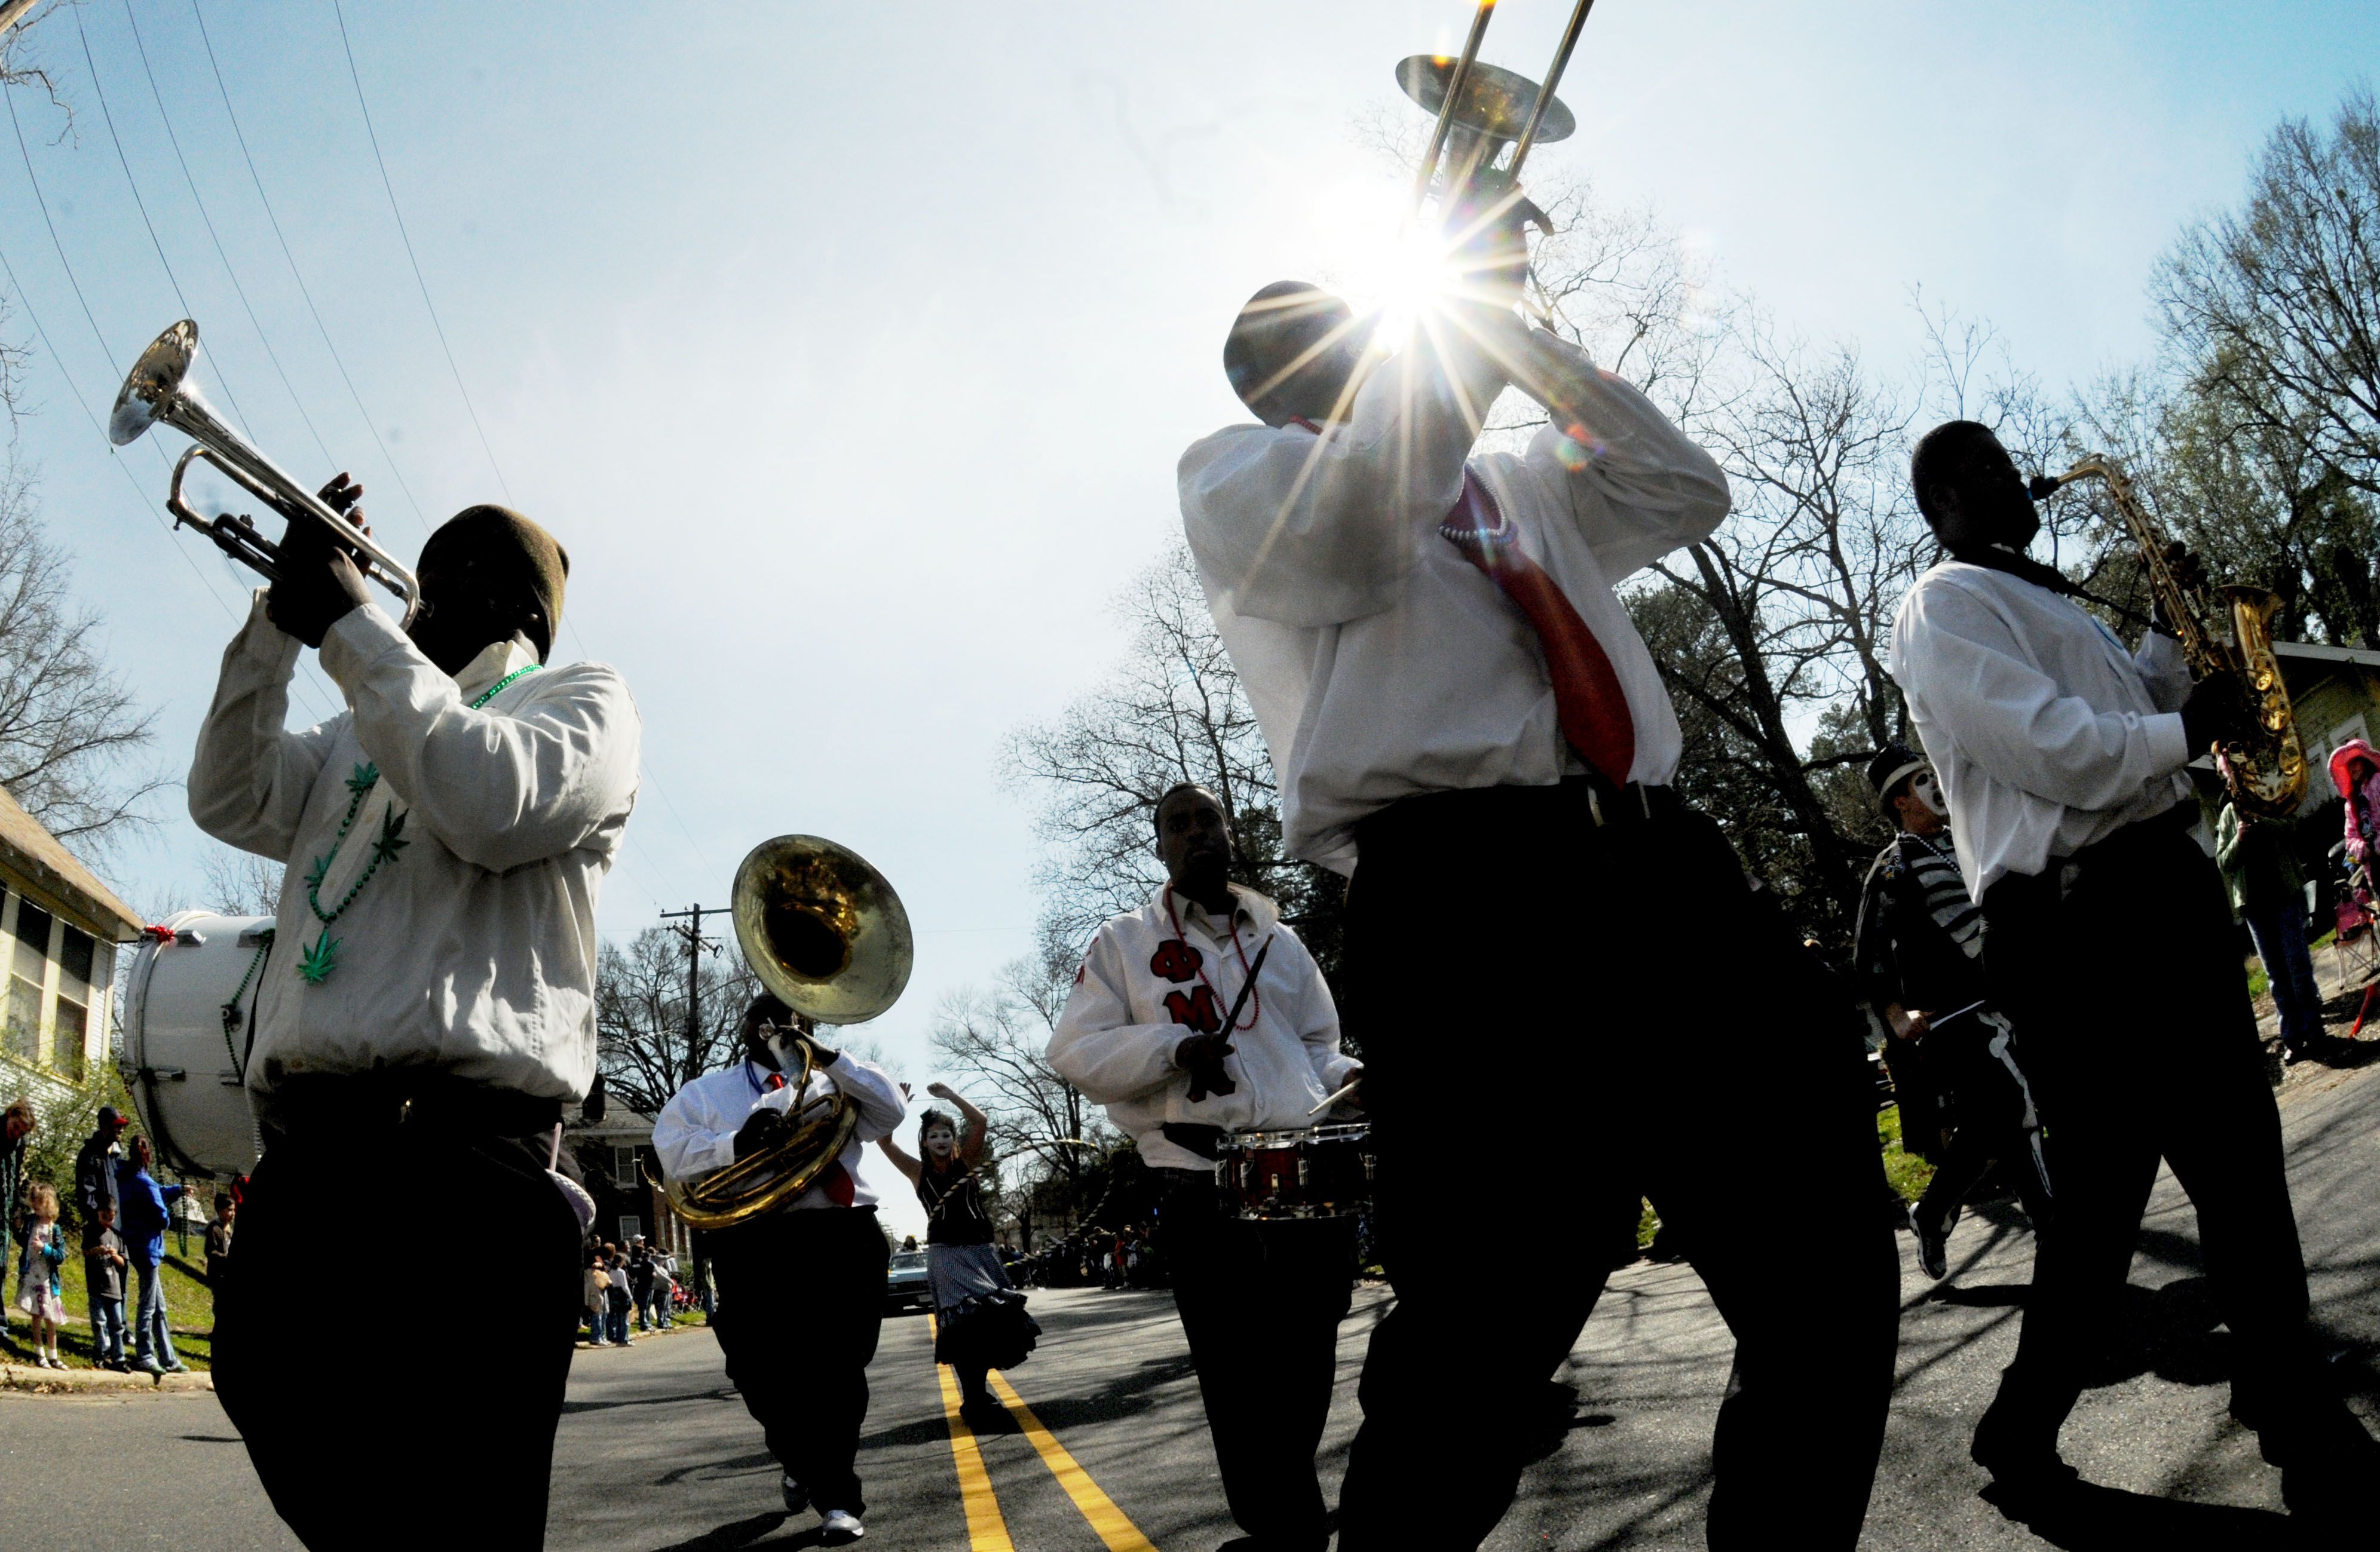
x=1124 y=1258
x=122 y=1212
x=644 y=1283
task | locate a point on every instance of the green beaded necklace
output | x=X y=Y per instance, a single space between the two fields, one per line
x=322 y=958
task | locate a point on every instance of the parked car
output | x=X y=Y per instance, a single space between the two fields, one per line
x=905 y=1285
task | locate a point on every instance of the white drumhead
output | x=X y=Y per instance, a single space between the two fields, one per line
x=185 y=1073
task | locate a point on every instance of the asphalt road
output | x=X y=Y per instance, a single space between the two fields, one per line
x=655 y=1451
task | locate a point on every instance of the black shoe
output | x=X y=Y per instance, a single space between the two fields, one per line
x=797 y=1498
x=1933 y=1244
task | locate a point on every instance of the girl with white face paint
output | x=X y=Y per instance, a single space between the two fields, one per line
x=981 y=1324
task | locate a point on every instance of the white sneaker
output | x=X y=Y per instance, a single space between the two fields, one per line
x=841 y=1527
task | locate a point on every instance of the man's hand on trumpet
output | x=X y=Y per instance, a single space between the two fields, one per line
x=319 y=584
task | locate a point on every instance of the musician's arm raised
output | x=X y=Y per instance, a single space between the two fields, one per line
x=500 y=788
x=1638 y=486
x=693 y=1137
x=1095 y=1046
x=1958 y=657
x=249 y=777
x=1310 y=530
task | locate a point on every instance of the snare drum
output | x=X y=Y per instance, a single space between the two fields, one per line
x=1320 y=1172
x=184 y=1053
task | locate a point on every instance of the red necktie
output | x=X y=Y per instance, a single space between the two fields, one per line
x=834 y=1180
x=1587 y=697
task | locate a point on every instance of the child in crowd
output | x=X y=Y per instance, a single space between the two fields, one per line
x=103 y=1277
x=598 y=1287
x=39 y=1293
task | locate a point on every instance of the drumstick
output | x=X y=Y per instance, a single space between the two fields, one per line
x=1329 y=1100
x=1232 y=1019
x=1939 y=1020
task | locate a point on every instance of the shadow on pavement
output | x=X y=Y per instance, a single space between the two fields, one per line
x=2092 y=1519
x=744 y=1532
x=1982 y=1295
x=718 y=1393
x=738 y=1464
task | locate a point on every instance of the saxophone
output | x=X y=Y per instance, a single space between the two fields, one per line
x=2267 y=771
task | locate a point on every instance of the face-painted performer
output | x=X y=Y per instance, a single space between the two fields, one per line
x=979 y=1319
x=426 y=1006
x=1463 y=716
x=2061 y=752
x=812 y=1265
x=1143 y=1033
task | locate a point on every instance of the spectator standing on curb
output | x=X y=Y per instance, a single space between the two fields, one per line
x=95 y=1167
x=665 y=1287
x=39 y=1291
x=2267 y=888
x=597 y=1284
x=144 y=1223
x=103 y=1262
x=640 y=1281
x=219 y=1241
x=616 y=1296
x=16 y=1125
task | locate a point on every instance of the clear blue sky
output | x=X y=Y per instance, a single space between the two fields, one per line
x=849 y=349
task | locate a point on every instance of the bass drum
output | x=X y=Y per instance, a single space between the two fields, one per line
x=188 y=1019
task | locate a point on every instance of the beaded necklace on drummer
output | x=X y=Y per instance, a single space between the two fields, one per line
x=1256 y=998
x=323 y=957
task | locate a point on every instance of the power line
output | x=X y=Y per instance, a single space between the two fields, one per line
x=373 y=136
x=75 y=392
x=238 y=289
x=296 y=275
x=139 y=204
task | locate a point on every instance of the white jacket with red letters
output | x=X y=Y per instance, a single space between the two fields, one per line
x=1154 y=976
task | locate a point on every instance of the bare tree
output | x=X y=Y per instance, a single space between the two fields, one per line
x=1171 y=711
x=69 y=727
x=644 y=1045
x=2273 y=312
x=241 y=883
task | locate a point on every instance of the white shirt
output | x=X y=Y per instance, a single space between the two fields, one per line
x=2047 y=734
x=694 y=1133
x=473 y=951
x=1381 y=663
x=1115 y=1040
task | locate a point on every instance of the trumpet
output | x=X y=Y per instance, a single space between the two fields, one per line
x=159 y=390
x=825 y=932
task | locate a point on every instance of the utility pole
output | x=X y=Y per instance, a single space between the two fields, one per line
x=696 y=944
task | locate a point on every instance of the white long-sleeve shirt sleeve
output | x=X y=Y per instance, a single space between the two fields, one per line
x=2012 y=720
x=694 y=1133
x=499 y=790
x=1096 y=1045
x=1313 y=530
x=1636 y=484
x=250 y=777
x=882 y=1107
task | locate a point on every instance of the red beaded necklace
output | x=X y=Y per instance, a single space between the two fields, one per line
x=1255 y=999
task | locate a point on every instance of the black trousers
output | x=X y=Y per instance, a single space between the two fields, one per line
x=392 y=1463
x=2122 y=973
x=1534 y=995
x=1996 y=1123
x=801 y=1299
x=1260 y=1301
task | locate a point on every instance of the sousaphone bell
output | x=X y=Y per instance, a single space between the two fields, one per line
x=825 y=933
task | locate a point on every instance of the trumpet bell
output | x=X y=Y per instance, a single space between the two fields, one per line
x=822 y=930
x=154 y=385
x=1496 y=102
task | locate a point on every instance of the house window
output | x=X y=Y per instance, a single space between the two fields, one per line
x=66 y=1036
x=32 y=939
x=75 y=950
x=25 y=1018
x=629 y=1229
x=623 y=1167
x=2352 y=728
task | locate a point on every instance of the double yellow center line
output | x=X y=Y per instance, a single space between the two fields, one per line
x=987 y=1531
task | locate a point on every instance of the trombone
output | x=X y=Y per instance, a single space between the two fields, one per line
x=159 y=390
x=1483 y=108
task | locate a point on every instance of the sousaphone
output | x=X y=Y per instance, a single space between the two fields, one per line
x=824 y=932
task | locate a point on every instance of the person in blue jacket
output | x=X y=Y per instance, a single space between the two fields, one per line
x=143 y=1225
